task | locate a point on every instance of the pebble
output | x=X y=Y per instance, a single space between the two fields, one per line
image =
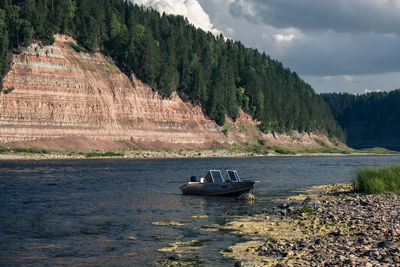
x=176 y=257
x=371 y=239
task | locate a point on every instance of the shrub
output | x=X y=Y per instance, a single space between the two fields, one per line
x=106 y=154
x=378 y=179
x=76 y=47
x=8 y=90
x=284 y=151
x=261 y=141
x=30 y=150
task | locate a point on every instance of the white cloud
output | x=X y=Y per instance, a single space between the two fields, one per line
x=342 y=78
x=230 y=31
x=327 y=79
x=190 y=9
x=358 y=84
x=284 y=37
x=348 y=78
x=366 y=91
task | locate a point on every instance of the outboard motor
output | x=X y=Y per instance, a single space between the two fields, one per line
x=193 y=178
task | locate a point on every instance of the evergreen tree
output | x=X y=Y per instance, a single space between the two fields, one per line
x=170 y=54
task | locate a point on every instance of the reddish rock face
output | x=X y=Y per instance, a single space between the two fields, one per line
x=63 y=99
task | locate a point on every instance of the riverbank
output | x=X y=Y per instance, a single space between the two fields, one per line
x=159 y=154
x=322 y=225
x=136 y=154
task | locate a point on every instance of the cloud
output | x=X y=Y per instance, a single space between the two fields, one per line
x=284 y=37
x=190 y=9
x=356 y=83
x=355 y=16
x=321 y=37
x=366 y=91
x=332 y=53
x=354 y=42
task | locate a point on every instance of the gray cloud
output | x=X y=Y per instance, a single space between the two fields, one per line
x=356 y=16
x=330 y=53
x=340 y=45
x=355 y=84
x=317 y=38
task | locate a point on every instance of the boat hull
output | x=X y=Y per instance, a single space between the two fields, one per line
x=217 y=189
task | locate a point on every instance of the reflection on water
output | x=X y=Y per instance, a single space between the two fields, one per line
x=120 y=212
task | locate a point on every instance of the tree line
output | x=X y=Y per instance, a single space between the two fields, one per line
x=378 y=110
x=170 y=54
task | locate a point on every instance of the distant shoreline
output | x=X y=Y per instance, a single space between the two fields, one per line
x=171 y=155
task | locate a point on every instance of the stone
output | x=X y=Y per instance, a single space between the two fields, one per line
x=396 y=259
x=176 y=257
x=284 y=206
x=246 y=197
x=388 y=244
x=228 y=250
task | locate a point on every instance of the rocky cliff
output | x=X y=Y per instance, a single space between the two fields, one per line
x=57 y=98
x=65 y=99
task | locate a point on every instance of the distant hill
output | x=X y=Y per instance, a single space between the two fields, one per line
x=371 y=120
x=56 y=98
x=170 y=54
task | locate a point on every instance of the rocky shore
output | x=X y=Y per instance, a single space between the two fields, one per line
x=134 y=154
x=159 y=154
x=326 y=226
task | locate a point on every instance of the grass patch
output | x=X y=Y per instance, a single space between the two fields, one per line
x=372 y=180
x=307 y=209
x=108 y=65
x=378 y=150
x=105 y=154
x=320 y=142
x=255 y=148
x=325 y=150
x=76 y=47
x=23 y=150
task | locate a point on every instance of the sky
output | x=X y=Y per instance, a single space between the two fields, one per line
x=335 y=46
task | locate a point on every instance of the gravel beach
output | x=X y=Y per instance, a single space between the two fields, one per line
x=326 y=226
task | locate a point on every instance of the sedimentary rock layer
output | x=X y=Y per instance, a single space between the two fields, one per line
x=60 y=94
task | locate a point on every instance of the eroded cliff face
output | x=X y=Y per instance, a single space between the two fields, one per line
x=72 y=100
x=56 y=98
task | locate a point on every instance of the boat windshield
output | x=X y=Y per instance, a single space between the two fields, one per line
x=217 y=176
x=233 y=176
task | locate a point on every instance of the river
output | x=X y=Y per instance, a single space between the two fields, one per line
x=111 y=212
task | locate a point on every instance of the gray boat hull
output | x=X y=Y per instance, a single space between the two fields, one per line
x=218 y=189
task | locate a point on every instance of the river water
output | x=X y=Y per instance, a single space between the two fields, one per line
x=111 y=212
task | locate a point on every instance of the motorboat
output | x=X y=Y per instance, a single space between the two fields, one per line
x=214 y=184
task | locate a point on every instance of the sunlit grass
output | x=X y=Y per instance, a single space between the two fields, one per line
x=378 y=179
x=24 y=150
x=378 y=150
